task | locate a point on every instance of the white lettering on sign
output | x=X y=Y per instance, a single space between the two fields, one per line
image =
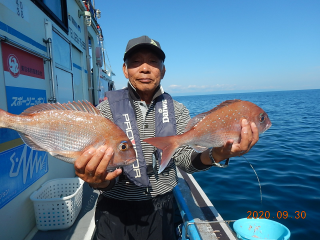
x=29 y=101
x=165 y=116
x=130 y=135
x=33 y=163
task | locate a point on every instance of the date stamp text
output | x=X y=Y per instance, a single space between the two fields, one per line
x=279 y=215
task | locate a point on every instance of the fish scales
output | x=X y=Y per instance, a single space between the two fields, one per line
x=60 y=130
x=67 y=130
x=225 y=122
x=213 y=128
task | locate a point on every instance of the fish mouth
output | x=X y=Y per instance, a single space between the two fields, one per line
x=267 y=127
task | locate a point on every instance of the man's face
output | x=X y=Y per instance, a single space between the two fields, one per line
x=144 y=70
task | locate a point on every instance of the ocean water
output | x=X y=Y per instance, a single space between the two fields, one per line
x=286 y=159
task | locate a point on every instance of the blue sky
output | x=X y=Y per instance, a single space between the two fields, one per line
x=221 y=46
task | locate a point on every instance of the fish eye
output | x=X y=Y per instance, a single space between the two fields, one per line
x=123 y=146
x=262 y=117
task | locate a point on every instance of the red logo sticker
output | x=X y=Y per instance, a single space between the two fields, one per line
x=13 y=65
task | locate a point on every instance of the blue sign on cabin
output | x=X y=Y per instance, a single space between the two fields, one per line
x=19 y=99
x=20 y=167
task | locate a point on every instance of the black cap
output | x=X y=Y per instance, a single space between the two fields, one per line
x=143 y=42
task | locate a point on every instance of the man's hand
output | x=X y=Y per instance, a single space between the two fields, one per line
x=249 y=137
x=92 y=165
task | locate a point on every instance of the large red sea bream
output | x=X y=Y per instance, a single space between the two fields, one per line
x=67 y=130
x=213 y=128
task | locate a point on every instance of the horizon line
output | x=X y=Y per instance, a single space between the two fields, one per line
x=228 y=92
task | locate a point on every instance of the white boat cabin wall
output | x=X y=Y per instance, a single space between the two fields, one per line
x=50 y=51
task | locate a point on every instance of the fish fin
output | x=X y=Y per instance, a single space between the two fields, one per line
x=225 y=103
x=199 y=148
x=218 y=139
x=42 y=107
x=168 y=145
x=83 y=106
x=194 y=121
x=62 y=155
x=27 y=140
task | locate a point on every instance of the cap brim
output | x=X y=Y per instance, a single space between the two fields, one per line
x=149 y=46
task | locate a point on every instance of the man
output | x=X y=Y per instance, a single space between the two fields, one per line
x=137 y=202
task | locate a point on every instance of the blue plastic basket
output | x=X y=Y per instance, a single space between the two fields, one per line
x=253 y=229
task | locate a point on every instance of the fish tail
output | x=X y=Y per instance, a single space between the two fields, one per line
x=168 y=145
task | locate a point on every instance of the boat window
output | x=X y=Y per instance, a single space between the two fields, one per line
x=55 y=7
x=56 y=10
x=61 y=51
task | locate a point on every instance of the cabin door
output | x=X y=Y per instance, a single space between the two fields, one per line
x=63 y=68
x=64 y=86
x=78 y=92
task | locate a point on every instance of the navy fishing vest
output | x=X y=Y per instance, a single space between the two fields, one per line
x=124 y=116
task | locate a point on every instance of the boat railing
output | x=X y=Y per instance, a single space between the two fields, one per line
x=200 y=219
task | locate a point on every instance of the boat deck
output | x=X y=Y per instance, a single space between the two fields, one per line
x=202 y=220
x=83 y=227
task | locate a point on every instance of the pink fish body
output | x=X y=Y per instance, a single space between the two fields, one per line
x=67 y=130
x=213 y=128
